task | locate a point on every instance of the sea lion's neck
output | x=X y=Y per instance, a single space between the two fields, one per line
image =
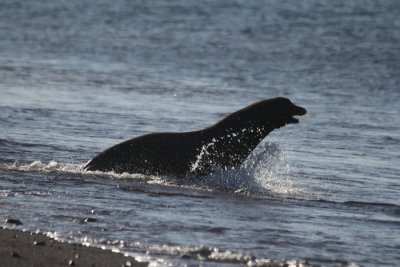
x=231 y=140
x=241 y=125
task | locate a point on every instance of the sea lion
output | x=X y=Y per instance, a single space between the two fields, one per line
x=225 y=144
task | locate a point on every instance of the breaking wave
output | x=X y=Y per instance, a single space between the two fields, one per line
x=172 y=255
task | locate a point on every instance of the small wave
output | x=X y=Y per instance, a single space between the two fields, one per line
x=217 y=256
x=74 y=168
x=387 y=208
x=11 y=143
x=52 y=166
x=171 y=255
x=375 y=204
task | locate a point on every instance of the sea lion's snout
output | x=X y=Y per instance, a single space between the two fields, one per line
x=300 y=111
x=288 y=107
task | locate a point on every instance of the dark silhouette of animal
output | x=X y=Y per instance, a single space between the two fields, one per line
x=227 y=143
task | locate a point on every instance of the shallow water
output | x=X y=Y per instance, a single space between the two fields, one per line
x=76 y=78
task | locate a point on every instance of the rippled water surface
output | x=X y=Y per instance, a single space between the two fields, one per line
x=78 y=77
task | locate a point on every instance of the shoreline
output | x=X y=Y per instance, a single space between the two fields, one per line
x=19 y=248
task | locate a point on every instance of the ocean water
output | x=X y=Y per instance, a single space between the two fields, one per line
x=77 y=77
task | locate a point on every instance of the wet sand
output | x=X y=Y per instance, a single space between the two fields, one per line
x=18 y=248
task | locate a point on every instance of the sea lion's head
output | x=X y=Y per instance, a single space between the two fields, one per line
x=278 y=112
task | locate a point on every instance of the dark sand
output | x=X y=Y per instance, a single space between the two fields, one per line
x=21 y=249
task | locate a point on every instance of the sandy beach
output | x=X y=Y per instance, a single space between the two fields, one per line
x=18 y=248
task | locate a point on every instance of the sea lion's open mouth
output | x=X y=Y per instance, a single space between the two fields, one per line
x=292 y=120
x=299 y=111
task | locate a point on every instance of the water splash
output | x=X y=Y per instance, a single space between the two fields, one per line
x=265 y=172
x=270 y=169
x=73 y=168
x=199 y=163
x=37 y=165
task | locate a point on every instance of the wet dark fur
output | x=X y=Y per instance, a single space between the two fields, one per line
x=226 y=143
